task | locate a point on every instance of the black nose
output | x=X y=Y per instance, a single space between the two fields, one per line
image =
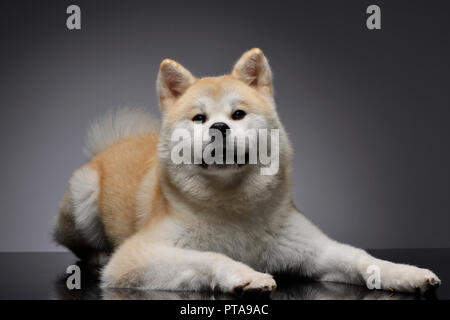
x=221 y=126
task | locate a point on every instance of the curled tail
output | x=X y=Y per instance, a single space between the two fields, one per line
x=116 y=125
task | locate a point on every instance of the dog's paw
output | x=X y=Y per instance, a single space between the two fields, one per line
x=249 y=282
x=405 y=278
x=259 y=283
x=423 y=280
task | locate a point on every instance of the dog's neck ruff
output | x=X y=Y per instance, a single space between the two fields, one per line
x=242 y=191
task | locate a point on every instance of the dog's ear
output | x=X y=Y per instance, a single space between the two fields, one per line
x=253 y=69
x=173 y=81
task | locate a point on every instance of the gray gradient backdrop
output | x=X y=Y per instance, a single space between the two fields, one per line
x=368 y=112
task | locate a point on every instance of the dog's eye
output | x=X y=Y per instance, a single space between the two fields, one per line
x=238 y=115
x=199 y=118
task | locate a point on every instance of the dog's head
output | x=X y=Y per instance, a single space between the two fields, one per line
x=219 y=126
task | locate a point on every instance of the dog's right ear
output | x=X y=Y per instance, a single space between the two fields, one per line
x=173 y=81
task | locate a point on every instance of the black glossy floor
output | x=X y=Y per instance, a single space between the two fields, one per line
x=43 y=276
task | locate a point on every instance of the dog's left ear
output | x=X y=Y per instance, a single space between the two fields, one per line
x=253 y=69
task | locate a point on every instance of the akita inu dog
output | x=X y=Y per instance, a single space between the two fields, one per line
x=155 y=224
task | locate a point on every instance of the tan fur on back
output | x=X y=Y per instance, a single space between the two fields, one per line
x=121 y=168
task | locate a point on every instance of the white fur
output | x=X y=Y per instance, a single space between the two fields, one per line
x=84 y=189
x=116 y=125
x=199 y=252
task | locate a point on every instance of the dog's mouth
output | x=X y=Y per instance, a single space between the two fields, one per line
x=222 y=166
x=226 y=164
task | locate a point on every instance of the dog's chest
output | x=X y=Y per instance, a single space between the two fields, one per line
x=246 y=242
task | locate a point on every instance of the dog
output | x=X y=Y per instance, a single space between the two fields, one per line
x=152 y=223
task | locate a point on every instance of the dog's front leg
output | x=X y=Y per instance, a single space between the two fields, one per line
x=141 y=263
x=303 y=248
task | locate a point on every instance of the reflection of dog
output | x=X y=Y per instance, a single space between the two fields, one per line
x=192 y=227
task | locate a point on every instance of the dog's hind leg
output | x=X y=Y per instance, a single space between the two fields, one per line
x=78 y=225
